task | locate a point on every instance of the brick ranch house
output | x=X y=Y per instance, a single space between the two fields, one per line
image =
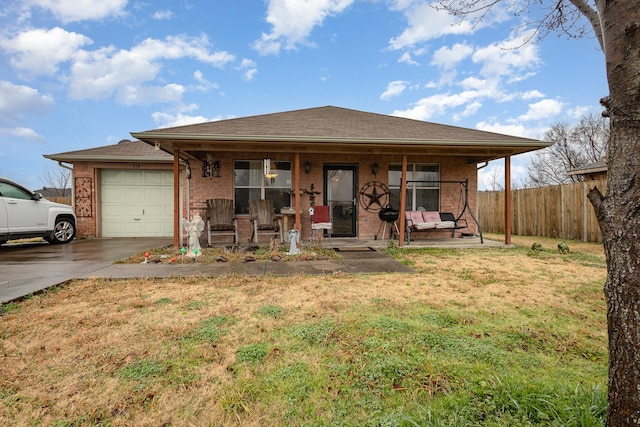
x=356 y=162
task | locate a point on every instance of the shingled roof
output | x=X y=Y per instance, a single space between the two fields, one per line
x=124 y=151
x=331 y=123
x=333 y=129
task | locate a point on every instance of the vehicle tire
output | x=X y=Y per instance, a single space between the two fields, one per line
x=63 y=232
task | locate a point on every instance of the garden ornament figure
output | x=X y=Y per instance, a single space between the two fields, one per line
x=194 y=229
x=294 y=238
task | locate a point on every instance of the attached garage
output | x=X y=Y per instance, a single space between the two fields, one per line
x=136 y=203
x=122 y=190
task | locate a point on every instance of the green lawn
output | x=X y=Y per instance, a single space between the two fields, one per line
x=497 y=337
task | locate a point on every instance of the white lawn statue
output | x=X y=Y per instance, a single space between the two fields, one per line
x=194 y=229
x=294 y=238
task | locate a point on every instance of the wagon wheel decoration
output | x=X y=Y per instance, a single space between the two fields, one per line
x=374 y=196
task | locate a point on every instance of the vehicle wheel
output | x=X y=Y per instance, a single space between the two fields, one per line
x=63 y=232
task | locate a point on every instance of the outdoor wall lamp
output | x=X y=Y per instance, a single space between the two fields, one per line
x=374 y=168
x=307 y=167
x=211 y=168
x=270 y=170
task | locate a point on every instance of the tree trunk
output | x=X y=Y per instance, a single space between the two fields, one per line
x=618 y=212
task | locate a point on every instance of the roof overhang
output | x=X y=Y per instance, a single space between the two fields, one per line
x=197 y=145
x=71 y=158
x=585 y=171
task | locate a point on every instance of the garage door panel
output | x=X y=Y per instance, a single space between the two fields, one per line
x=154 y=194
x=134 y=194
x=158 y=178
x=137 y=203
x=112 y=177
x=112 y=193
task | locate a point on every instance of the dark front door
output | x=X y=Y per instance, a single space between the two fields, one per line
x=340 y=195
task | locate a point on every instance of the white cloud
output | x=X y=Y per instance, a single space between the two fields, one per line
x=181 y=117
x=394 y=88
x=514 y=129
x=167 y=120
x=492 y=71
x=426 y=23
x=501 y=59
x=204 y=84
x=474 y=83
x=248 y=68
x=146 y=95
x=17 y=101
x=162 y=15
x=581 y=110
x=438 y=104
x=293 y=20
x=505 y=129
x=100 y=73
x=249 y=74
x=468 y=111
x=532 y=94
x=448 y=58
x=543 y=109
x=40 y=52
x=23 y=133
x=407 y=58
x=80 y=10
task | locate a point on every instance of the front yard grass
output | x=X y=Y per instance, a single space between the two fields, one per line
x=490 y=336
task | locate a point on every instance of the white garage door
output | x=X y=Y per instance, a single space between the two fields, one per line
x=137 y=203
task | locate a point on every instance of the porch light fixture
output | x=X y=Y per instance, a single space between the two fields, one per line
x=374 y=168
x=270 y=172
x=211 y=168
x=307 y=167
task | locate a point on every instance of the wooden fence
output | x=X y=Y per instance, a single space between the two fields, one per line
x=561 y=211
x=65 y=200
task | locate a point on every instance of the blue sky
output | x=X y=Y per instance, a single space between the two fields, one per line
x=78 y=74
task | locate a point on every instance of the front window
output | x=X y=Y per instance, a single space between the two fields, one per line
x=423 y=186
x=250 y=182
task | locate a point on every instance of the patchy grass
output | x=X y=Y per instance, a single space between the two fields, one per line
x=492 y=336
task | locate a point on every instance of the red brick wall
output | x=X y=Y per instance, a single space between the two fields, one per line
x=368 y=223
x=199 y=189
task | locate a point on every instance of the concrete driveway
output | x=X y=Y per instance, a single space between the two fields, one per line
x=26 y=268
x=31 y=267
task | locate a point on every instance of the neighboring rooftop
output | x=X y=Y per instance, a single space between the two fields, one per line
x=595 y=167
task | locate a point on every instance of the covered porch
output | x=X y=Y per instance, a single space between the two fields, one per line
x=354 y=162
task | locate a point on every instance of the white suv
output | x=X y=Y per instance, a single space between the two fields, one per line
x=25 y=214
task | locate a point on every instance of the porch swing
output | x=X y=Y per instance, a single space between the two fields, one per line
x=421 y=220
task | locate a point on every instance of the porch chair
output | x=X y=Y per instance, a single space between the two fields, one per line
x=320 y=221
x=264 y=220
x=221 y=220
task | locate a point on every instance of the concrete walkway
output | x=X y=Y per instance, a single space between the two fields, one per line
x=351 y=262
x=32 y=267
x=26 y=268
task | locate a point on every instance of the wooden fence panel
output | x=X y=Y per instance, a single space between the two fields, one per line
x=561 y=211
x=64 y=200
